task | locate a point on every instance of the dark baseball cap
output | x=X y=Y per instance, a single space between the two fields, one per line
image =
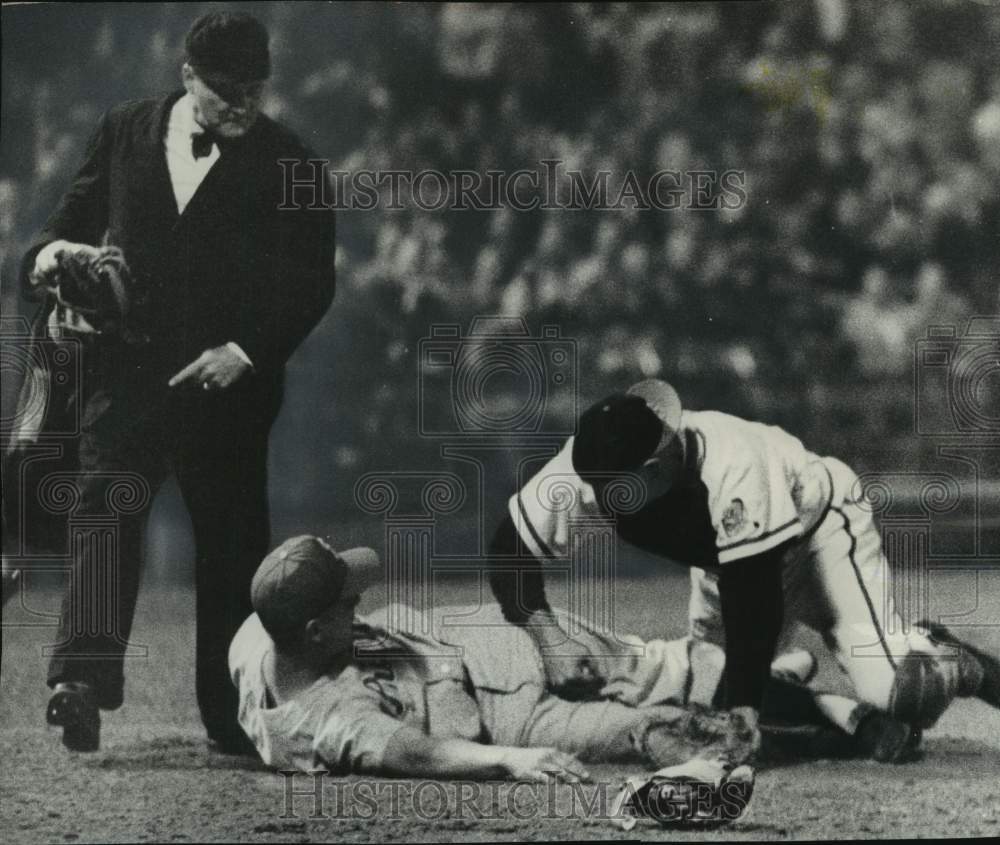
x=663 y=401
x=616 y=434
x=229 y=48
x=303 y=577
x=622 y=431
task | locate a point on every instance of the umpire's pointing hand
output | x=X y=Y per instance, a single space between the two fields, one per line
x=215 y=369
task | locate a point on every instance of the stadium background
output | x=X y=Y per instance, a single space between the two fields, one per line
x=869 y=134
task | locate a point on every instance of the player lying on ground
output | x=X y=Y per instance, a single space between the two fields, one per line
x=774 y=534
x=320 y=687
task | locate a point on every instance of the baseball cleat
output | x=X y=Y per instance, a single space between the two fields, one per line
x=73 y=708
x=979 y=672
x=795 y=667
x=888 y=740
x=781 y=743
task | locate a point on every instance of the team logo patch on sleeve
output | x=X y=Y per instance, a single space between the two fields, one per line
x=734 y=518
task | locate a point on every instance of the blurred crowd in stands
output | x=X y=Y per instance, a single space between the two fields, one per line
x=869 y=134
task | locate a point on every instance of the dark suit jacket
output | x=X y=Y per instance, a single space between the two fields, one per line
x=232 y=267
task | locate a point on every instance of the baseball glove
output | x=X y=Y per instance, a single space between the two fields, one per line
x=697 y=795
x=710 y=734
x=97 y=288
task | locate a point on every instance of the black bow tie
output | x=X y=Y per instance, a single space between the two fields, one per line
x=201 y=144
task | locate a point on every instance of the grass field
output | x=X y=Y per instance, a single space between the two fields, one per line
x=155 y=780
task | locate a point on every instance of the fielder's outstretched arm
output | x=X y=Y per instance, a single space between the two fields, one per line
x=519 y=587
x=518 y=583
x=752 y=599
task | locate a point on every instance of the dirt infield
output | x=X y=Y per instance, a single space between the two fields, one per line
x=155 y=780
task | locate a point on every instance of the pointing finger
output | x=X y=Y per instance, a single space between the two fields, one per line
x=188 y=373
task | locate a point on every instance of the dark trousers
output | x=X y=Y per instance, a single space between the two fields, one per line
x=134 y=433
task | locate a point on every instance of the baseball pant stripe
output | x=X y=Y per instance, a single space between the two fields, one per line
x=864 y=589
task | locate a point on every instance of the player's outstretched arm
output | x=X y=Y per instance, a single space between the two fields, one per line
x=518 y=585
x=411 y=753
x=570 y=671
x=515 y=576
x=752 y=599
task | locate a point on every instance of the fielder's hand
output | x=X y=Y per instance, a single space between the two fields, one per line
x=572 y=678
x=743 y=737
x=215 y=369
x=542 y=764
x=570 y=671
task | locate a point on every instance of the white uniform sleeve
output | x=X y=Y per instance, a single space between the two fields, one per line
x=246 y=652
x=749 y=493
x=544 y=509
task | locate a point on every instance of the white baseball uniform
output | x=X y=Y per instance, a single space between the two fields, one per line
x=748 y=489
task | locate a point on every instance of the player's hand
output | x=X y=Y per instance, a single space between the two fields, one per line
x=213 y=370
x=543 y=764
x=570 y=670
x=47 y=261
x=572 y=678
x=743 y=737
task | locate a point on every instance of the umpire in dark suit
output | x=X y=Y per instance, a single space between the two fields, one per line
x=227 y=285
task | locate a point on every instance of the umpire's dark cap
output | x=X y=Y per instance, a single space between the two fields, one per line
x=228 y=45
x=303 y=577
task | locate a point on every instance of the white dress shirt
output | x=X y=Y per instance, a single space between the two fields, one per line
x=186 y=171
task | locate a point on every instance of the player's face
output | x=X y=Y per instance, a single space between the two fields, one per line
x=222 y=106
x=662 y=471
x=333 y=632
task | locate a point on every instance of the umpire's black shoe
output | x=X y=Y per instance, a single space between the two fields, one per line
x=979 y=673
x=237 y=745
x=73 y=707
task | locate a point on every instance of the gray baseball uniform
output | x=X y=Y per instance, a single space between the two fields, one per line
x=482 y=682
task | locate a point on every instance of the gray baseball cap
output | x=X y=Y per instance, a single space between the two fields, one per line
x=303 y=577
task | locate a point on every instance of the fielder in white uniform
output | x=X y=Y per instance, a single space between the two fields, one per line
x=774 y=535
x=320 y=687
